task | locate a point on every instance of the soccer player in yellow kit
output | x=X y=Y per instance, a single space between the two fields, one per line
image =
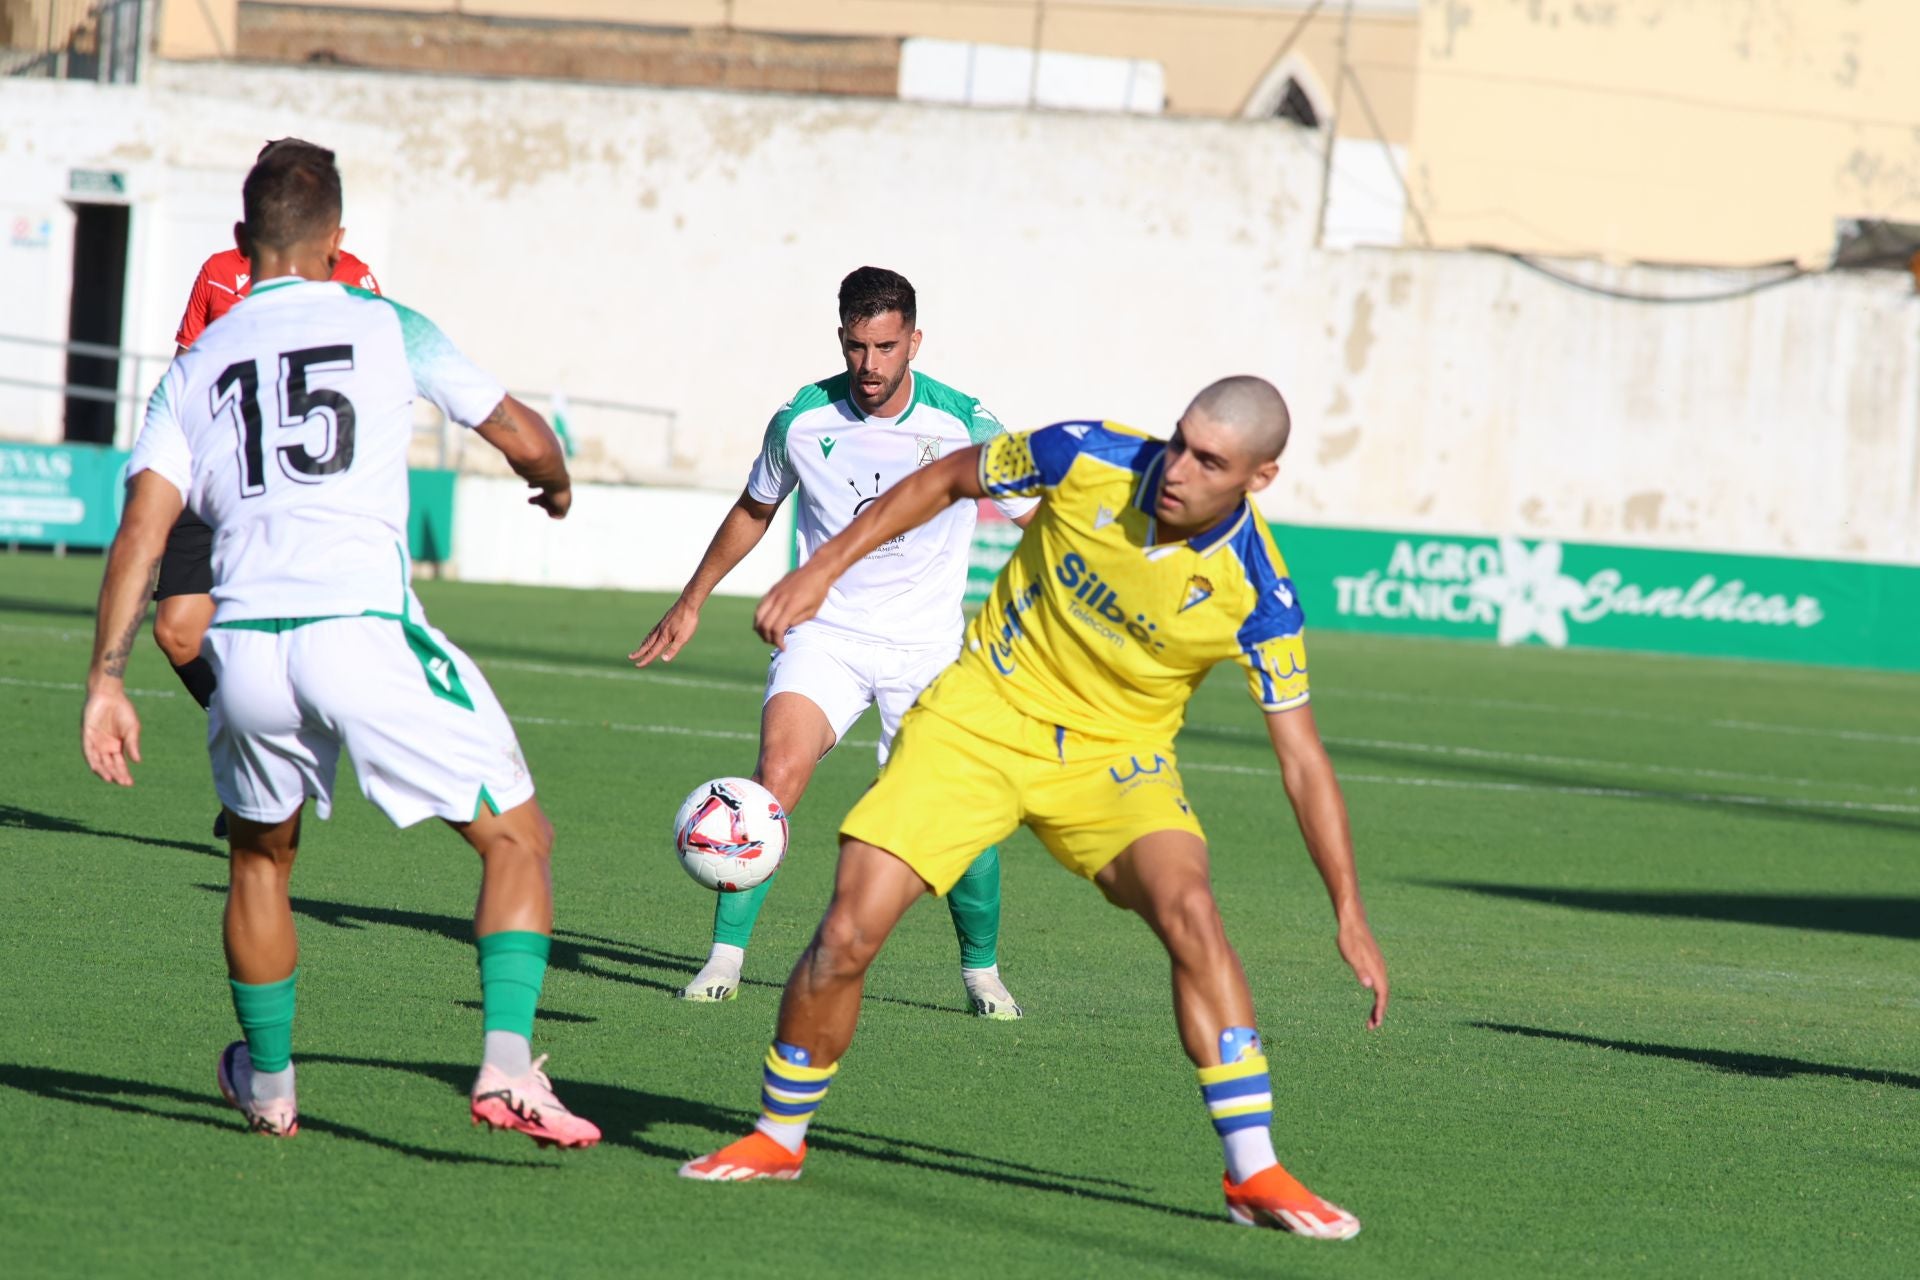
x=1146 y=566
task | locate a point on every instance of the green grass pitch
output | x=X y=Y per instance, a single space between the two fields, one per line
x=1653 y=926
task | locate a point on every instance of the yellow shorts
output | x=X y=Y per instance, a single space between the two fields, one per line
x=967 y=768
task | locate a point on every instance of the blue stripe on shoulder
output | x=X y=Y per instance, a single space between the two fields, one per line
x=1056 y=447
x=1276 y=608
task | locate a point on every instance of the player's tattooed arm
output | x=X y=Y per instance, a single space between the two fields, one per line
x=533 y=451
x=500 y=419
x=114 y=661
x=109 y=727
x=133 y=564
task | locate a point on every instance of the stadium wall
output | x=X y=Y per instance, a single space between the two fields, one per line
x=681 y=249
x=630 y=537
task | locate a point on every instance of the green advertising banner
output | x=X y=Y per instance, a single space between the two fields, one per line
x=994 y=539
x=71 y=495
x=430 y=516
x=1582 y=595
x=66 y=494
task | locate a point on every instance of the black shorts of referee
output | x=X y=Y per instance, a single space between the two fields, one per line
x=186 y=566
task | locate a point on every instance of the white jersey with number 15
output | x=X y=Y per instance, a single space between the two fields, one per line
x=286 y=426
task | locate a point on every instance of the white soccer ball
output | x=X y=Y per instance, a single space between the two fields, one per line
x=731 y=834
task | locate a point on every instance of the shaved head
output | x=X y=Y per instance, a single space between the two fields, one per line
x=1249 y=407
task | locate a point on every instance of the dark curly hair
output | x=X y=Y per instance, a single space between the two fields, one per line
x=873 y=291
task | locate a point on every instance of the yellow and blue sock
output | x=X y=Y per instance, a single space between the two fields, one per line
x=1239 y=1097
x=791 y=1090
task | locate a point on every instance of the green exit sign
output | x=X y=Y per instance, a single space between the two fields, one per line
x=96 y=182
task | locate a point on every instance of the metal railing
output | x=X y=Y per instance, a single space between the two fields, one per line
x=603 y=443
x=132 y=386
x=99 y=40
x=612 y=441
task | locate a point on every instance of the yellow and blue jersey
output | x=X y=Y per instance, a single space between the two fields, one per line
x=1098 y=626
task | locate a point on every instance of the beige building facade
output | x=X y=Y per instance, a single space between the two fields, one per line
x=1222 y=57
x=1730 y=133
x=1735 y=132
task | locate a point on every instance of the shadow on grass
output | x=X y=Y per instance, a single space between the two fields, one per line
x=1548 y=776
x=47 y=608
x=610 y=662
x=1760 y=1065
x=1832 y=913
x=573 y=952
x=544 y=1015
x=138 y=1097
x=28 y=819
x=626 y=1115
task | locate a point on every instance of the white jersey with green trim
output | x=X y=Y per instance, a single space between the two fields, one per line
x=286 y=426
x=909 y=591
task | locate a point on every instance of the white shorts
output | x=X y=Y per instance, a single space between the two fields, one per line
x=845 y=677
x=427 y=736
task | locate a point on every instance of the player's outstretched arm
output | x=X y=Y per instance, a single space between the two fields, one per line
x=109 y=727
x=739 y=533
x=908 y=505
x=1321 y=811
x=534 y=453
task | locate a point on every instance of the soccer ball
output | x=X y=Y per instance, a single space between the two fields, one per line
x=731 y=834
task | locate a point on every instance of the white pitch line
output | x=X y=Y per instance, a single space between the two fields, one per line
x=67 y=687
x=64 y=633
x=629 y=673
x=1336 y=693
x=1597 y=793
x=1371 y=779
x=1619 y=713
x=1582 y=762
x=1522 y=757
x=1847 y=735
x=729 y=735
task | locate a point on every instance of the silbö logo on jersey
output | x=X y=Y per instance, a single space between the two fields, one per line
x=1093 y=604
x=1096 y=606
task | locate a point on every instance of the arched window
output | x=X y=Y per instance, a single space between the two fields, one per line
x=1296 y=106
x=1289 y=91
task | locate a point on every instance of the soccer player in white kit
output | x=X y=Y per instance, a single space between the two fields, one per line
x=890 y=625
x=285 y=428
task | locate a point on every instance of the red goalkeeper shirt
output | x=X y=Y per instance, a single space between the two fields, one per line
x=225 y=278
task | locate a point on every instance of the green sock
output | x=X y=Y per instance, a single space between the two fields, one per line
x=513 y=964
x=734 y=914
x=265 y=1011
x=975 y=904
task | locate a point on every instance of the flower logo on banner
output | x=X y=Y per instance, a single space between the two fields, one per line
x=1532 y=594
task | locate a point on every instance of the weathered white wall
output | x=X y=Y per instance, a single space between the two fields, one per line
x=626 y=536
x=682 y=249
